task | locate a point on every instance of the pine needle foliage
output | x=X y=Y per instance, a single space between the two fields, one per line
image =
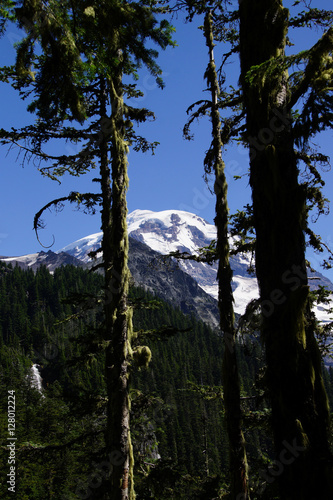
x=71 y=65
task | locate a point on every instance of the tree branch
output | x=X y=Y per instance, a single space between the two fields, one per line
x=323 y=47
x=89 y=200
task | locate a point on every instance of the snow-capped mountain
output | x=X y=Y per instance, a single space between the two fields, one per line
x=161 y=233
x=171 y=230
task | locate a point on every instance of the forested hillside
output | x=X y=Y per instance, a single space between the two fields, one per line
x=180 y=443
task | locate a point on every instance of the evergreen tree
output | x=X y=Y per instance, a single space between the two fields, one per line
x=300 y=412
x=278 y=139
x=79 y=77
x=214 y=163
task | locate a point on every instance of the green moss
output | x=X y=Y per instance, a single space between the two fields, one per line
x=303 y=436
x=131 y=493
x=142 y=356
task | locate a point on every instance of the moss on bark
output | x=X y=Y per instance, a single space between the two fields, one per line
x=294 y=378
x=231 y=388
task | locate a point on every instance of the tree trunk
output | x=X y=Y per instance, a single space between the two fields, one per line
x=117 y=315
x=300 y=413
x=231 y=388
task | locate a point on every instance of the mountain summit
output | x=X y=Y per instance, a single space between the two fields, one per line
x=171 y=230
x=161 y=233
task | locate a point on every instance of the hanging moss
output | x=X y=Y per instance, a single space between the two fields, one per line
x=142 y=356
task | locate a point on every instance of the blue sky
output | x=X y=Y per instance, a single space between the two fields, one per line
x=171 y=179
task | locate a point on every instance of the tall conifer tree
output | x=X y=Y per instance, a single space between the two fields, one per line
x=300 y=413
x=87 y=49
x=231 y=386
x=214 y=164
x=278 y=140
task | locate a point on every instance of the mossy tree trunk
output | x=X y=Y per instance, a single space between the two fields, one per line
x=300 y=413
x=231 y=387
x=117 y=314
x=83 y=53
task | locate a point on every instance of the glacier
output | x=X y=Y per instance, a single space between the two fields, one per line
x=177 y=230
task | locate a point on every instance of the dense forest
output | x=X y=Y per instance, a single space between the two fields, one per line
x=180 y=445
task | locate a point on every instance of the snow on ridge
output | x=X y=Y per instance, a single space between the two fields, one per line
x=138 y=216
x=164 y=241
x=245 y=290
x=80 y=248
x=170 y=230
x=28 y=259
x=159 y=243
x=86 y=241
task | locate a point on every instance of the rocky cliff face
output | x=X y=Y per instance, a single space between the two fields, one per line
x=164 y=278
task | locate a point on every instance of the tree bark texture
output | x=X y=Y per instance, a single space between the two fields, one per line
x=117 y=314
x=300 y=413
x=231 y=388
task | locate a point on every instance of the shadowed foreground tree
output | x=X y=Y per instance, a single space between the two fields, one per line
x=231 y=385
x=222 y=132
x=219 y=250
x=279 y=138
x=78 y=77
